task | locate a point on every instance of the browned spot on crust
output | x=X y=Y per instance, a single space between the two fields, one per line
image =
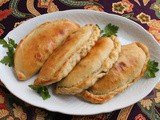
x=39 y=57
x=46 y=51
x=121 y=66
x=61 y=32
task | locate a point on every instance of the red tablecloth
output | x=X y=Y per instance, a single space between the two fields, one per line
x=144 y=12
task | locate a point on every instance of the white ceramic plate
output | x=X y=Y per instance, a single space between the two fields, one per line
x=128 y=32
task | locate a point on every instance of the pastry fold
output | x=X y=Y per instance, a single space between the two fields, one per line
x=38 y=45
x=62 y=61
x=129 y=68
x=94 y=66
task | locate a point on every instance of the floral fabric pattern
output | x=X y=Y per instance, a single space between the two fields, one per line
x=144 y=12
x=143 y=18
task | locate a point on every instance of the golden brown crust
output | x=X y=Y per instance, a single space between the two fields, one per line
x=116 y=84
x=36 y=47
x=95 y=65
x=62 y=61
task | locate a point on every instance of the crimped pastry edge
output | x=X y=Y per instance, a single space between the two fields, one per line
x=103 y=98
x=88 y=82
x=74 y=58
x=20 y=75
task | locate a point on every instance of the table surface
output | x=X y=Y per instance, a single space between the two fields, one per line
x=144 y=12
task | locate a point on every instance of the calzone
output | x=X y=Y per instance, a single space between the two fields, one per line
x=62 y=61
x=37 y=46
x=95 y=65
x=129 y=68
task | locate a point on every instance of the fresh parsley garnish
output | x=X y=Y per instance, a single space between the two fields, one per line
x=11 y=46
x=41 y=90
x=101 y=31
x=109 y=30
x=152 y=68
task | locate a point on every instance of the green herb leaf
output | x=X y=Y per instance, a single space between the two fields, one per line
x=7 y=61
x=41 y=90
x=152 y=68
x=110 y=30
x=12 y=43
x=11 y=46
x=101 y=31
x=4 y=43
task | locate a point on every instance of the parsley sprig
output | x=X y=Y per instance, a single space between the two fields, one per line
x=11 y=46
x=152 y=68
x=109 y=30
x=41 y=90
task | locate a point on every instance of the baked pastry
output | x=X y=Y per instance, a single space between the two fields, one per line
x=95 y=65
x=129 y=68
x=62 y=61
x=37 y=46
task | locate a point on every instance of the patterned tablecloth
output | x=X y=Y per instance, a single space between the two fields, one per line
x=144 y=12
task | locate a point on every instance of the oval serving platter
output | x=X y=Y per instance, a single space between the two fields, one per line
x=128 y=32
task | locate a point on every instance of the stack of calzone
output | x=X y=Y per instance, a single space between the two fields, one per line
x=79 y=60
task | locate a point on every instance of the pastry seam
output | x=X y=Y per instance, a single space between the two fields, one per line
x=105 y=97
x=75 y=57
x=113 y=56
